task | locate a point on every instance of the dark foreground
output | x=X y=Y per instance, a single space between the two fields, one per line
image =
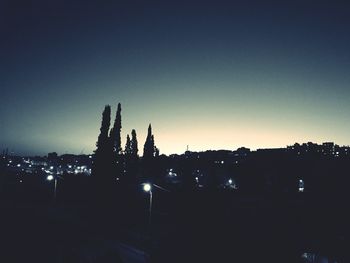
x=200 y=226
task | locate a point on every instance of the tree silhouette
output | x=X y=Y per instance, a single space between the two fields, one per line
x=149 y=148
x=131 y=158
x=102 y=140
x=115 y=141
x=115 y=132
x=133 y=144
x=128 y=149
x=103 y=152
x=149 y=166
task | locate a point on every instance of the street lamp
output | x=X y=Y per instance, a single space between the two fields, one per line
x=147 y=187
x=50 y=178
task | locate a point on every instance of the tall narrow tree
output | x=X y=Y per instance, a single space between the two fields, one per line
x=148 y=149
x=103 y=147
x=115 y=132
x=134 y=146
x=128 y=149
x=102 y=140
x=131 y=158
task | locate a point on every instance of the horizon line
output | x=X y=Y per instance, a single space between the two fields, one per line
x=12 y=153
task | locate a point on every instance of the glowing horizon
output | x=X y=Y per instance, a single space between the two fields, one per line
x=211 y=76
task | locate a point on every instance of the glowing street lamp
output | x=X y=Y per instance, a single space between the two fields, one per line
x=50 y=178
x=147 y=187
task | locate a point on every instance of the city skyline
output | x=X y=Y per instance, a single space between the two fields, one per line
x=211 y=76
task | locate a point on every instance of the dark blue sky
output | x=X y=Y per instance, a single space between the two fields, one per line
x=207 y=74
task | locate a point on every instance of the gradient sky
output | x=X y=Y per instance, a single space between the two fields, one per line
x=208 y=74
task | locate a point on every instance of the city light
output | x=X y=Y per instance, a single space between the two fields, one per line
x=147 y=187
x=50 y=177
x=301 y=185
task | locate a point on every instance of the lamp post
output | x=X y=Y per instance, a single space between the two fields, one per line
x=148 y=188
x=50 y=178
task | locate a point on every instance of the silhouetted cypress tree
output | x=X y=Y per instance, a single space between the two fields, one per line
x=149 y=167
x=115 y=132
x=103 y=152
x=102 y=140
x=131 y=158
x=133 y=144
x=148 y=149
x=128 y=149
x=115 y=141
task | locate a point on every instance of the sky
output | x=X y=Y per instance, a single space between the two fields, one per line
x=207 y=74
